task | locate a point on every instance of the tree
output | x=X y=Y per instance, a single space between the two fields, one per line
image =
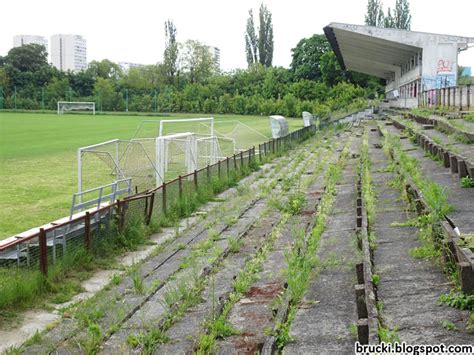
x=401 y=15
x=197 y=61
x=108 y=97
x=82 y=83
x=251 y=41
x=259 y=48
x=105 y=69
x=306 y=57
x=265 y=37
x=27 y=66
x=170 y=55
x=374 y=16
x=331 y=72
x=389 y=21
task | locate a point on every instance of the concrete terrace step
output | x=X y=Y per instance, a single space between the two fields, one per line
x=409 y=288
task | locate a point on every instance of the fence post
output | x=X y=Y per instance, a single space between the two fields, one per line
x=180 y=187
x=195 y=180
x=43 y=249
x=219 y=169
x=146 y=207
x=87 y=231
x=163 y=195
x=208 y=173
x=468 y=97
x=260 y=152
x=227 y=162
x=235 y=162
x=150 y=209
x=120 y=214
x=241 y=160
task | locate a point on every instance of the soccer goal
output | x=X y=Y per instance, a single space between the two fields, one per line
x=176 y=154
x=182 y=153
x=67 y=106
x=157 y=128
x=107 y=162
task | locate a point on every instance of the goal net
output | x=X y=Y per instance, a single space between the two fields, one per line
x=114 y=160
x=157 y=128
x=67 y=106
x=149 y=159
x=182 y=153
x=234 y=136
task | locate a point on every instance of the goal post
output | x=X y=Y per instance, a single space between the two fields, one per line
x=66 y=106
x=209 y=120
x=175 y=153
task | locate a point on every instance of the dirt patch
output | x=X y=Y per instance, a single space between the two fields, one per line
x=267 y=291
x=247 y=346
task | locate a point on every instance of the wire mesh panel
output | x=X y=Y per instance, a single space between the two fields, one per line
x=172 y=193
x=157 y=210
x=110 y=161
x=133 y=212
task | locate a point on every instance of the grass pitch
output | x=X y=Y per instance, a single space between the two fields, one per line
x=38 y=159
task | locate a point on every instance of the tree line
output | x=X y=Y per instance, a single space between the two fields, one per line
x=188 y=80
x=400 y=17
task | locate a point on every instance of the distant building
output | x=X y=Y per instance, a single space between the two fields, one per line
x=216 y=55
x=69 y=52
x=466 y=71
x=126 y=66
x=29 y=39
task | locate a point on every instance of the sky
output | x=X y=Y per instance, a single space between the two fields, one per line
x=133 y=31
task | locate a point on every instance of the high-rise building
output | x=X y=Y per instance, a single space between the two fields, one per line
x=29 y=39
x=216 y=55
x=69 y=52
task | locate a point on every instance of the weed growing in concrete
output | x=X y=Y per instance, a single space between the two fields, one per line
x=447 y=324
x=467 y=181
x=301 y=257
x=138 y=285
x=458 y=299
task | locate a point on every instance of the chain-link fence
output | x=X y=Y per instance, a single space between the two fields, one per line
x=117 y=223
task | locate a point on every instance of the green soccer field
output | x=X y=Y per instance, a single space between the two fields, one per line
x=38 y=158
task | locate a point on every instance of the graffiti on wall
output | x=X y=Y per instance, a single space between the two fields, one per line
x=444 y=65
x=444 y=76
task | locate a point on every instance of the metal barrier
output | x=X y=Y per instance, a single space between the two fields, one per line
x=116 y=191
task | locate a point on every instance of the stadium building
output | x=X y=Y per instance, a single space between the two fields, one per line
x=410 y=62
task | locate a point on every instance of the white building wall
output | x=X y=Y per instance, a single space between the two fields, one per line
x=439 y=65
x=29 y=39
x=69 y=52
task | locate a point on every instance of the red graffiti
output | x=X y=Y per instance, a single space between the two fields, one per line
x=444 y=65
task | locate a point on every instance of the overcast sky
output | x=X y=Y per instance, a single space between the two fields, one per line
x=133 y=30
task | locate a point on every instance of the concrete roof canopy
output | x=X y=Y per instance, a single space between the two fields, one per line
x=378 y=51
